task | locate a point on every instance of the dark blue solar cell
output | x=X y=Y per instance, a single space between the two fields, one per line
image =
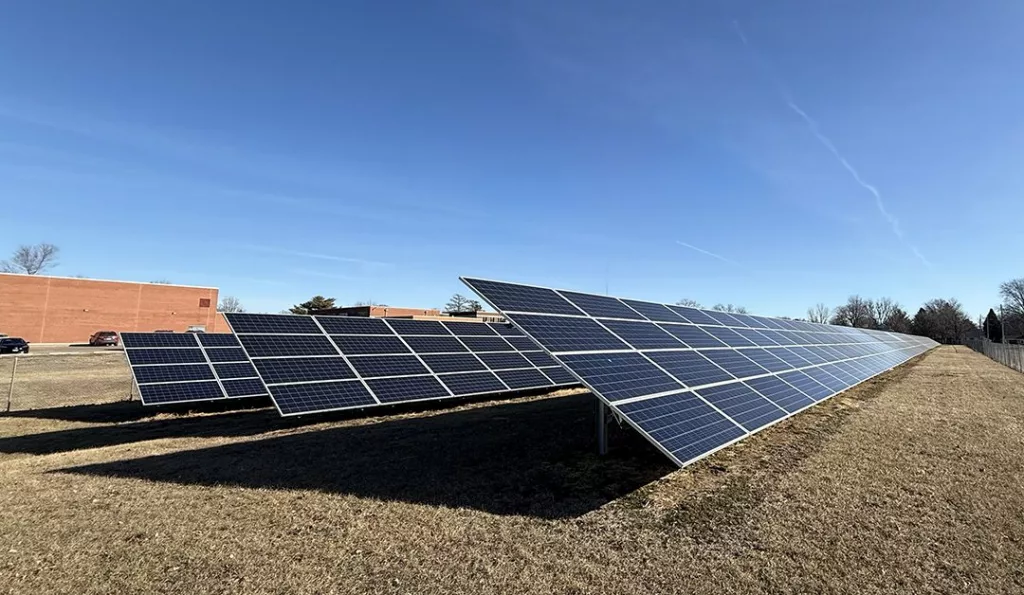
x=217 y=339
x=827 y=379
x=787 y=355
x=504 y=361
x=294 y=399
x=134 y=340
x=743 y=405
x=353 y=325
x=830 y=353
x=845 y=377
x=766 y=359
x=777 y=337
x=300 y=369
x=693 y=336
x=617 y=376
x=290 y=324
x=522 y=343
x=453 y=362
x=417 y=327
x=179 y=373
x=378 y=344
x=139 y=357
x=693 y=315
x=523 y=379
x=248 y=387
x=655 y=312
x=478 y=344
x=781 y=393
x=560 y=376
x=371 y=366
x=540 y=359
x=770 y=323
x=747 y=320
x=755 y=337
x=469 y=328
x=409 y=388
x=690 y=367
x=226 y=354
x=682 y=424
x=163 y=394
x=807 y=385
x=285 y=345
x=810 y=354
x=724 y=318
x=447 y=344
x=505 y=329
x=734 y=362
x=241 y=370
x=785 y=324
x=601 y=306
x=729 y=336
x=858 y=373
x=558 y=334
x=473 y=383
x=643 y=335
x=521 y=298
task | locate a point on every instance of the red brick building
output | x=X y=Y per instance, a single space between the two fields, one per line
x=68 y=310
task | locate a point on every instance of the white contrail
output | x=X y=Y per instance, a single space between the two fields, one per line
x=894 y=223
x=711 y=254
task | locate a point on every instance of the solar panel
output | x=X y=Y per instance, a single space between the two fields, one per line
x=190 y=367
x=693 y=381
x=351 y=362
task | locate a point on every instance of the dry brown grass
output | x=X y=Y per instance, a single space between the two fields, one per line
x=909 y=483
x=47 y=381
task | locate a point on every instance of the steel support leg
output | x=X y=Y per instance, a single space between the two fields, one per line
x=602 y=428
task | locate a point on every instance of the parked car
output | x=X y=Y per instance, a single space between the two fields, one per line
x=13 y=345
x=103 y=338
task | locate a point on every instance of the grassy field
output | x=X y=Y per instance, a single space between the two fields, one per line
x=912 y=482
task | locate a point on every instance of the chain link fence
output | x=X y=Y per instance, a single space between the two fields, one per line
x=31 y=382
x=1011 y=356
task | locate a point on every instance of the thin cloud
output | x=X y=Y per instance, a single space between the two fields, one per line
x=707 y=253
x=312 y=273
x=315 y=255
x=815 y=129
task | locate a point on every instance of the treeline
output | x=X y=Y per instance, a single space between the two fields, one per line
x=942 y=319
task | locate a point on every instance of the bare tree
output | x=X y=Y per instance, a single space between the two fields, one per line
x=882 y=309
x=1012 y=293
x=820 y=313
x=898 y=321
x=689 y=303
x=230 y=304
x=943 y=320
x=856 y=312
x=729 y=308
x=31 y=260
x=460 y=303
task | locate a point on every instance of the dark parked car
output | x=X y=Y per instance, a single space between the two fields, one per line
x=13 y=345
x=103 y=338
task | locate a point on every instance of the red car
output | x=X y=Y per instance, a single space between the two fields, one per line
x=103 y=338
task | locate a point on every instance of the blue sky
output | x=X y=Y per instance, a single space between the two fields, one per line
x=766 y=154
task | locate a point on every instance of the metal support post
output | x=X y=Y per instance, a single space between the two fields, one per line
x=10 y=391
x=602 y=428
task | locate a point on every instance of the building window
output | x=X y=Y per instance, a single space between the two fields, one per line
x=204 y=302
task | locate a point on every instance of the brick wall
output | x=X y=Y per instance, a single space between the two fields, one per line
x=63 y=310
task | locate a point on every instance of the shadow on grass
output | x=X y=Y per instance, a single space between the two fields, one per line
x=535 y=458
x=128 y=411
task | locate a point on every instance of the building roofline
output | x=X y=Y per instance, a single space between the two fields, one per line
x=109 y=280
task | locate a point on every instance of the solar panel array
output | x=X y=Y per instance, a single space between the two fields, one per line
x=693 y=381
x=190 y=367
x=328 y=363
